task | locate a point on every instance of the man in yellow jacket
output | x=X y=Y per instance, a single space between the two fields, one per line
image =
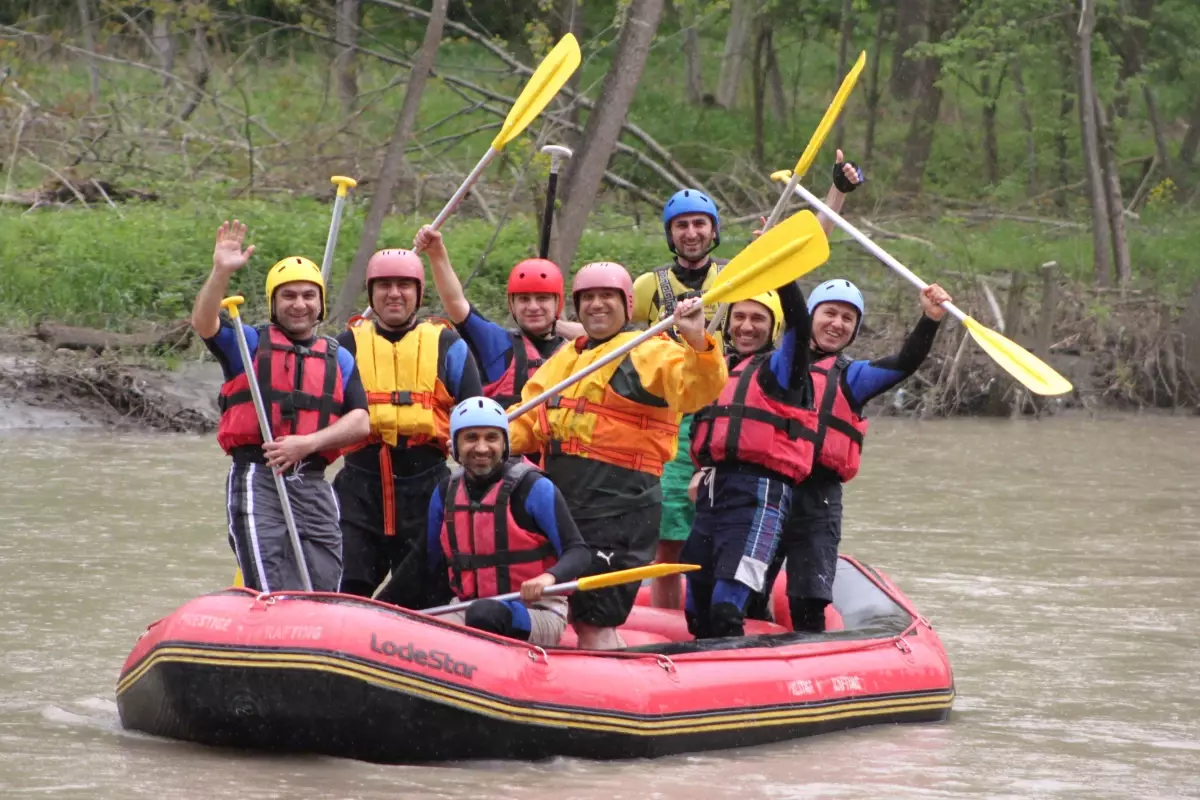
x=607 y=437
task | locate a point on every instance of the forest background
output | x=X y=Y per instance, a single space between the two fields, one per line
x=1036 y=157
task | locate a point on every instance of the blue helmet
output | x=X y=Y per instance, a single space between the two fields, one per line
x=477 y=412
x=839 y=290
x=690 y=201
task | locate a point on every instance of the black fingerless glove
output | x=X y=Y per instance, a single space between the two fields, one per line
x=841 y=182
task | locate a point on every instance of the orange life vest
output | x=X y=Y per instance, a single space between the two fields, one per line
x=746 y=425
x=506 y=390
x=301 y=387
x=488 y=553
x=840 y=431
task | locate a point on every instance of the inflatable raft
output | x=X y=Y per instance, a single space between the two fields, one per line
x=344 y=676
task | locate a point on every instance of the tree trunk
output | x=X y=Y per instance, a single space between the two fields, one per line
x=929 y=103
x=1102 y=262
x=201 y=70
x=1112 y=195
x=164 y=45
x=881 y=27
x=737 y=44
x=847 y=31
x=345 y=71
x=693 y=76
x=1027 y=122
x=1191 y=139
x=1062 y=145
x=89 y=43
x=759 y=83
x=389 y=173
x=572 y=22
x=991 y=148
x=779 y=106
x=911 y=20
x=1160 y=139
x=604 y=125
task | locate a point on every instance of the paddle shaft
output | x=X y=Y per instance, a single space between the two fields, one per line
x=265 y=427
x=462 y=190
x=872 y=248
x=335 y=223
x=557 y=154
x=550 y=591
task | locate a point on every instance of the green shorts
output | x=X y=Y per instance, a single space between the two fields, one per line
x=677 y=510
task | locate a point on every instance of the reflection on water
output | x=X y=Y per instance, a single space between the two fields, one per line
x=1059 y=561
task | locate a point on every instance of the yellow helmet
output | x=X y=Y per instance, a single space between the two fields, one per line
x=293 y=268
x=770 y=300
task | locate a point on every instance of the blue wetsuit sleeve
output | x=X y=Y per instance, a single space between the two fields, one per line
x=548 y=510
x=462 y=374
x=353 y=394
x=223 y=345
x=434 y=558
x=491 y=344
x=790 y=361
x=864 y=380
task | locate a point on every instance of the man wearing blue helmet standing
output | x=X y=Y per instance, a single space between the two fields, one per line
x=498 y=525
x=841 y=388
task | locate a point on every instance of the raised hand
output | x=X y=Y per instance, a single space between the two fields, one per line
x=932 y=297
x=429 y=240
x=228 y=255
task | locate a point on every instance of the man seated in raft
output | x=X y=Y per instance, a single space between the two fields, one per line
x=498 y=525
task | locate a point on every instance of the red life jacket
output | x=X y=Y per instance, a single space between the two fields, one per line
x=748 y=426
x=506 y=390
x=487 y=551
x=301 y=389
x=840 y=431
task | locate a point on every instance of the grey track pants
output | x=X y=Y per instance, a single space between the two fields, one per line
x=259 y=536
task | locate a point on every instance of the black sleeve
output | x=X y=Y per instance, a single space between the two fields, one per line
x=548 y=513
x=576 y=555
x=469 y=382
x=915 y=349
x=354 y=396
x=797 y=319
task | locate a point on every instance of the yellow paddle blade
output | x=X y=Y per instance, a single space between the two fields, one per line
x=792 y=248
x=547 y=79
x=1036 y=375
x=831 y=115
x=237 y=578
x=631 y=575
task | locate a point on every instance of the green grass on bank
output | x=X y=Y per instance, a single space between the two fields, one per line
x=93 y=267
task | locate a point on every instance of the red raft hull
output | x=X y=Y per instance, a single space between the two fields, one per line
x=349 y=677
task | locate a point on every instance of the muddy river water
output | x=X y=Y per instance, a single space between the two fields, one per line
x=1059 y=560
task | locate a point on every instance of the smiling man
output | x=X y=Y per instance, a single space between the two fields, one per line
x=506 y=358
x=414 y=372
x=315 y=405
x=607 y=437
x=842 y=387
x=497 y=525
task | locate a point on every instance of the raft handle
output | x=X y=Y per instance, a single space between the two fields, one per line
x=903 y=646
x=666 y=663
x=533 y=652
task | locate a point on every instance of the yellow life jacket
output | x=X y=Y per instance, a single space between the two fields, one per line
x=657 y=292
x=590 y=420
x=407 y=401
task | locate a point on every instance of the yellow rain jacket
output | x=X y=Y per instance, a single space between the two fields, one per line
x=625 y=414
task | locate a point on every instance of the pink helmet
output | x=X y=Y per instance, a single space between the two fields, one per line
x=537 y=276
x=397 y=264
x=604 y=275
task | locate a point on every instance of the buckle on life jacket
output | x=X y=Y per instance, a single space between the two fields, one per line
x=401 y=398
x=287 y=407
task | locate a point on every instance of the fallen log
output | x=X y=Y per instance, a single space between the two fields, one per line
x=174 y=336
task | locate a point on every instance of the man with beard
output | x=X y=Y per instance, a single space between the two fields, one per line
x=414 y=373
x=497 y=525
x=607 y=437
x=315 y=405
x=506 y=358
x=841 y=387
x=754 y=444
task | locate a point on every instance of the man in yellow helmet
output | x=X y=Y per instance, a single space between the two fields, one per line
x=607 y=437
x=315 y=405
x=414 y=373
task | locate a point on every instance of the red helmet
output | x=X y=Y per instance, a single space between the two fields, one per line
x=604 y=275
x=397 y=264
x=537 y=276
